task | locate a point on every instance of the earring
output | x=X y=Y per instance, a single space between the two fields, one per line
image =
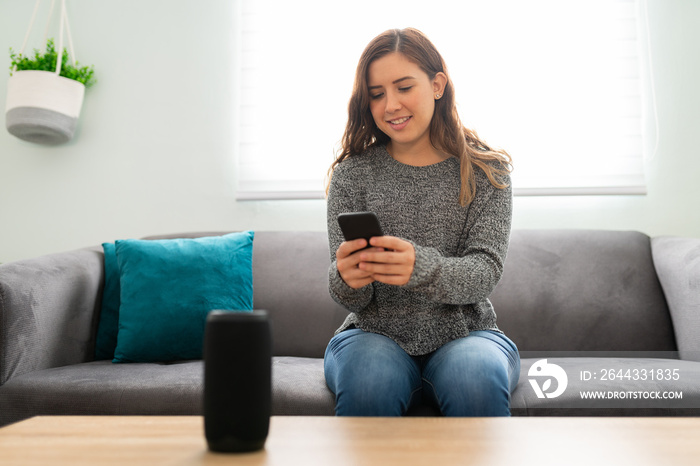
x=437 y=96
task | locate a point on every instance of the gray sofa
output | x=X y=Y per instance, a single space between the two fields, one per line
x=617 y=312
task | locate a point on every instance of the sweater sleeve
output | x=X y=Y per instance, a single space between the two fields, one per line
x=472 y=276
x=344 y=195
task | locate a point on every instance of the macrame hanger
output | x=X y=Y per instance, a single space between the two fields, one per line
x=66 y=26
x=26 y=36
x=63 y=24
x=48 y=25
x=70 y=37
x=59 y=58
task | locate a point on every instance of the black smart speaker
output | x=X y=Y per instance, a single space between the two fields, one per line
x=237 y=380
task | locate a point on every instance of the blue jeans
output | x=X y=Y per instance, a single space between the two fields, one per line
x=372 y=376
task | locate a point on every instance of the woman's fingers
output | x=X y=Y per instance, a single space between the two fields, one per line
x=391 y=260
x=349 y=247
x=388 y=260
x=347 y=262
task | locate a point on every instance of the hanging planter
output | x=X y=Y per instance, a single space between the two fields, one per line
x=45 y=94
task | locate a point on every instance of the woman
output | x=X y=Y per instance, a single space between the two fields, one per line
x=421 y=326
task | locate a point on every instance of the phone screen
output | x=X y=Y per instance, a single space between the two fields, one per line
x=356 y=225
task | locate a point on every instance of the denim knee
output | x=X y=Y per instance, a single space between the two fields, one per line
x=370 y=375
x=473 y=376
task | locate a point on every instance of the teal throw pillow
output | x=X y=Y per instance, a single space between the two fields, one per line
x=108 y=326
x=167 y=288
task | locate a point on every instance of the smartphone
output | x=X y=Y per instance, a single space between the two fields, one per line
x=356 y=225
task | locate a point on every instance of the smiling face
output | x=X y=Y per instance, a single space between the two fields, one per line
x=402 y=101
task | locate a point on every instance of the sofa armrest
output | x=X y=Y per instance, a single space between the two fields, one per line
x=677 y=263
x=48 y=310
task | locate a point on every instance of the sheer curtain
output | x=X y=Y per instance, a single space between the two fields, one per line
x=554 y=82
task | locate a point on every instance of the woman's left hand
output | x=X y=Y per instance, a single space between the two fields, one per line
x=392 y=266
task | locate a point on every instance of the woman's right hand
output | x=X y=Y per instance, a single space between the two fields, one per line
x=348 y=260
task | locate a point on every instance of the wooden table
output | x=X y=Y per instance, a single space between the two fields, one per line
x=329 y=441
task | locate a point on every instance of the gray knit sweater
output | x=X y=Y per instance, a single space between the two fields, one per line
x=460 y=251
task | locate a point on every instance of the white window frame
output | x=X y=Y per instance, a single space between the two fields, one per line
x=296 y=68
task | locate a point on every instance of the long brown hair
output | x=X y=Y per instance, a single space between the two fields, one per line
x=446 y=130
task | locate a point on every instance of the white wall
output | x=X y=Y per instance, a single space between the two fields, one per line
x=154 y=152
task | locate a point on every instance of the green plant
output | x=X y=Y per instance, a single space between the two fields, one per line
x=47 y=62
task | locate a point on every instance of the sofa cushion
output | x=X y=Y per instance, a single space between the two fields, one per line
x=299 y=388
x=290 y=273
x=580 y=290
x=108 y=326
x=677 y=262
x=169 y=286
x=103 y=388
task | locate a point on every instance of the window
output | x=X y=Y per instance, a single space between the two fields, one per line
x=554 y=82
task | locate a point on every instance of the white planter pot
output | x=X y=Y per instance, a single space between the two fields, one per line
x=43 y=107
